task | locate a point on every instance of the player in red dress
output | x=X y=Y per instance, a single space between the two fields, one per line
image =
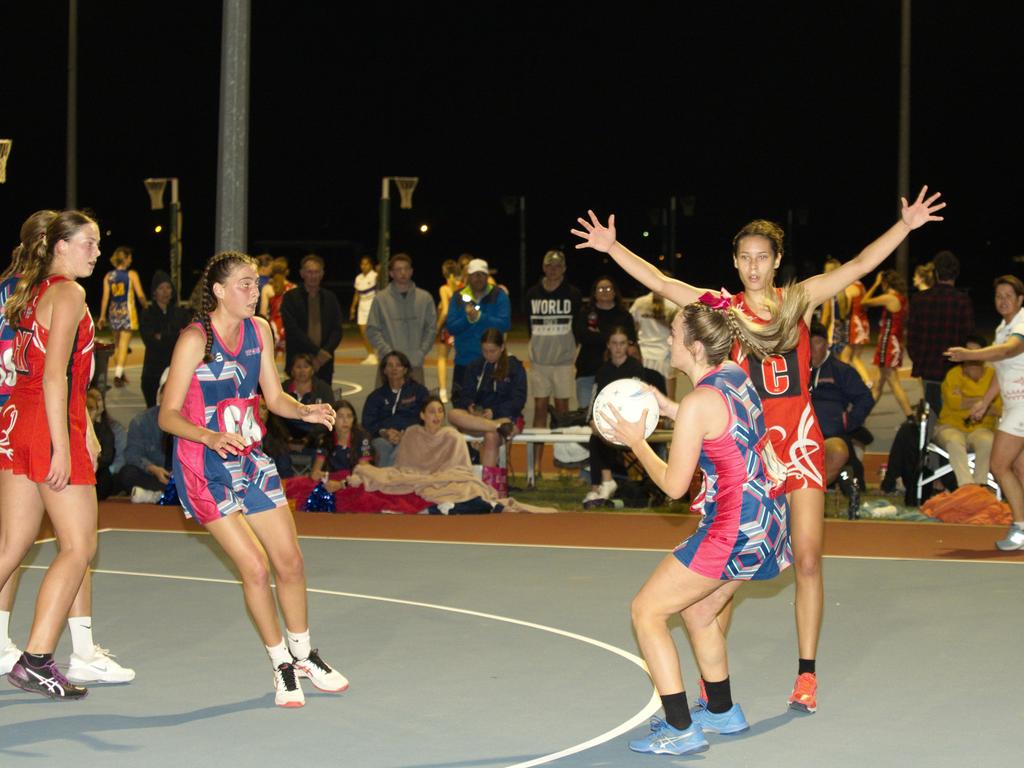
x=49 y=462
x=889 y=352
x=781 y=381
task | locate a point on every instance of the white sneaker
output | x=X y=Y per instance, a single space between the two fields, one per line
x=607 y=489
x=101 y=668
x=287 y=691
x=142 y=496
x=9 y=655
x=320 y=673
x=1014 y=539
x=591 y=496
x=442 y=394
x=370 y=359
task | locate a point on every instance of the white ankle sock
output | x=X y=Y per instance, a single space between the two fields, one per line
x=5 y=627
x=278 y=654
x=81 y=636
x=298 y=644
x=119 y=371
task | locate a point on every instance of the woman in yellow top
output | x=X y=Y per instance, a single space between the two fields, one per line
x=120 y=288
x=962 y=389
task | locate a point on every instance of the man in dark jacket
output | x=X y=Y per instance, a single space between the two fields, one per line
x=312 y=319
x=159 y=326
x=940 y=318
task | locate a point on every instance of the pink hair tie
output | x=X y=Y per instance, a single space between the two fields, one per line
x=724 y=301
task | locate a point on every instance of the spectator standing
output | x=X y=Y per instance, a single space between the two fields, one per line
x=593 y=327
x=159 y=326
x=553 y=306
x=653 y=315
x=365 y=286
x=478 y=306
x=452 y=283
x=312 y=320
x=940 y=317
x=402 y=319
x=393 y=407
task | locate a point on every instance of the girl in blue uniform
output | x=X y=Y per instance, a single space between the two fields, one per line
x=744 y=532
x=225 y=481
x=120 y=288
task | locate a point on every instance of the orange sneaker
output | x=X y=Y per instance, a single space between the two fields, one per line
x=804 y=692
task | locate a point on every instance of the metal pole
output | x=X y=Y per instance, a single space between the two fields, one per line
x=175 y=238
x=384 y=238
x=233 y=149
x=672 y=206
x=522 y=253
x=903 y=172
x=71 y=171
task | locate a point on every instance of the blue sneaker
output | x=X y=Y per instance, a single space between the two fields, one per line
x=666 y=740
x=730 y=721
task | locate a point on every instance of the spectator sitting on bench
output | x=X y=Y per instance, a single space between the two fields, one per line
x=841 y=402
x=112 y=439
x=393 y=407
x=490 y=403
x=604 y=457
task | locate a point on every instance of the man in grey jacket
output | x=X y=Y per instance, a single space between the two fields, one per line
x=403 y=318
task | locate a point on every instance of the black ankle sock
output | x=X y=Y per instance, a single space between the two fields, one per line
x=677 y=711
x=38 y=660
x=806 y=665
x=719 y=696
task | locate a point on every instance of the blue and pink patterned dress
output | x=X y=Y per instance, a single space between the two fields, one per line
x=744 y=532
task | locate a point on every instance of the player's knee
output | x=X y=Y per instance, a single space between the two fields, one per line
x=807 y=564
x=255 y=573
x=291 y=566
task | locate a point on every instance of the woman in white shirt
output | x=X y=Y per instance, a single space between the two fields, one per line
x=1005 y=356
x=362 y=299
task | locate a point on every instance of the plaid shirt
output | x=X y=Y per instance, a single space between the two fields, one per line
x=940 y=318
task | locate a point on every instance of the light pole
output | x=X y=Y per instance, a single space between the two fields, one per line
x=155 y=188
x=406 y=185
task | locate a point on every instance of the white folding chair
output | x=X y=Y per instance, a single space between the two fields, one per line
x=929 y=450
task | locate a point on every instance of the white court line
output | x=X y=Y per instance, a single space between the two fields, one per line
x=652 y=706
x=353 y=388
x=575 y=546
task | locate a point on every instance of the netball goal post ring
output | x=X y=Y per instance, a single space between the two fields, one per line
x=155 y=188
x=406 y=186
x=5 y=152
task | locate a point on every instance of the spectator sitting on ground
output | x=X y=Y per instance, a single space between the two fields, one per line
x=393 y=407
x=842 y=401
x=490 y=403
x=402 y=317
x=308 y=389
x=112 y=439
x=337 y=455
x=146 y=470
x=962 y=389
x=159 y=326
x=275 y=442
x=605 y=457
x=474 y=309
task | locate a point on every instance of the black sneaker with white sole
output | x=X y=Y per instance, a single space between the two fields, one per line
x=46 y=681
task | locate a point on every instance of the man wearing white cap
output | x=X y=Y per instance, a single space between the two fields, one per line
x=472 y=311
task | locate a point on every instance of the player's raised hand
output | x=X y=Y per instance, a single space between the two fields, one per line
x=923 y=210
x=594 y=234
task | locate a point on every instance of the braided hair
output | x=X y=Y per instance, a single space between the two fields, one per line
x=216 y=270
x=718 y=329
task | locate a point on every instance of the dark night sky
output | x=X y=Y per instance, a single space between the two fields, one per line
x=779 y=110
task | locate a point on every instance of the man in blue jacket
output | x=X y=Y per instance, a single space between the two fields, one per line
x=841 y=402
x=474 y=309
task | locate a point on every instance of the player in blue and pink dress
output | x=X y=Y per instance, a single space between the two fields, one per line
x=744 y=532
x=781 y=382
x=225 y=481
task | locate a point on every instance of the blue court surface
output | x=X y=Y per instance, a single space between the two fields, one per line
x=463 y=655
